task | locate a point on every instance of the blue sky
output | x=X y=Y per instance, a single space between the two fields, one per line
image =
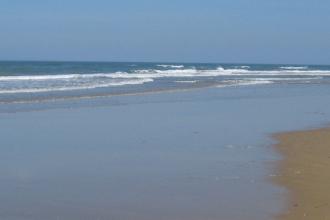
x=251 y=31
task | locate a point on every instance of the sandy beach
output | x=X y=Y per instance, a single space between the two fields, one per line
x=164 y=110
x=304 y=171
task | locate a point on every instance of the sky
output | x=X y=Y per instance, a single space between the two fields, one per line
x=225 y=31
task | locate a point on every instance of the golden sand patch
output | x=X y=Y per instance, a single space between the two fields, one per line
x=305 y=172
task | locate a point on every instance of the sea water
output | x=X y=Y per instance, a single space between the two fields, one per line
x=37 y=81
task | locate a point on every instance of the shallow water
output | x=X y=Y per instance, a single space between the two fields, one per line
x=200 y=154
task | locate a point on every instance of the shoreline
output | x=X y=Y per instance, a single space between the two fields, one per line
x=304 y=172
x=109 y=95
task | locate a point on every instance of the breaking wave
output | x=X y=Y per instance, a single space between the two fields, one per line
x=170 y=66
x=242 y=75
x=294 y=67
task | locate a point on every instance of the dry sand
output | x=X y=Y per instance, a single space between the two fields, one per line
x=305 y=172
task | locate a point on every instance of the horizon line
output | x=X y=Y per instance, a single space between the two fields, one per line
x=165 y=62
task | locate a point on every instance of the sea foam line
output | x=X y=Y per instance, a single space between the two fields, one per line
x=72 y=88
x=153 y=74
x=170 y=66
x=294 y=67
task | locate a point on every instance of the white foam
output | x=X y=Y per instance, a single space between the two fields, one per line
x=72 y=88
x=162 y=73
x=170 y=66
x=246 y=82
x=186 y=81
x=172 y=73
x=284 y=79
x=56 y=77
x=66 y=82
x=294 y=67
x=151 y=73
x=253 y=82
x=242 y=67
x=242 y=72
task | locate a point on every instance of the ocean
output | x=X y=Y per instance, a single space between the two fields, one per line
x=40 y=81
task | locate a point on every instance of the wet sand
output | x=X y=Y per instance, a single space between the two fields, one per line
x=305 y=172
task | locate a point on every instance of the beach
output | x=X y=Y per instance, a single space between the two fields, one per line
x=159 y=150
x=304 y=171
x=164 y=110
